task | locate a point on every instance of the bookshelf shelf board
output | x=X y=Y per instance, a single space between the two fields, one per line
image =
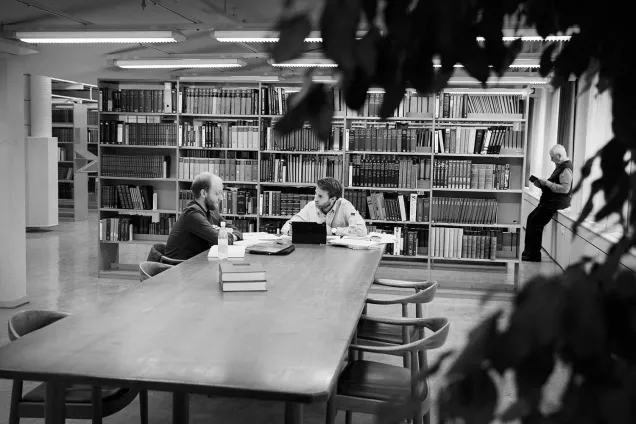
x=472 y=155
x=237 y=215
x=288 y=184
x=393 y=118
x=476 y=190
x=65 y=142
x=388 y=189
x=139 y=113
x=62 y=125
x=276 y=216
x=381 y=221
x=479 y=120
x=211 y=149
x=138 y=178
x=66 y=181
x=217 y=116
x=135 y=146
x=476 y=225
x=226 y=182
x=65 y=201
x=132 y=241
x=138 y=211
x=304 y=152
x=65 y=162
x=403 y=257
x=368 y=152
x=492 y=261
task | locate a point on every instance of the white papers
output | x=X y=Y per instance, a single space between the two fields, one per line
x=260 y=236
x=353 y=243
x=381 y=237
x=233 y=252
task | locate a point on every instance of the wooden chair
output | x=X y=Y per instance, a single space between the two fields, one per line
x=365 y=386
x=83 y=402
x=390 y=334
x=157 y=254
x=149 y=269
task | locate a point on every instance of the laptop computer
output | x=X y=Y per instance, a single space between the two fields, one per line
x=271 y=249
x=309 y=233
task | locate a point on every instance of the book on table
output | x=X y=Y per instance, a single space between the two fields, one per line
x=242 y=276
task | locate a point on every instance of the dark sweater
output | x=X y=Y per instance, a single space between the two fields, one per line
x=193 y=232
x=557 y=200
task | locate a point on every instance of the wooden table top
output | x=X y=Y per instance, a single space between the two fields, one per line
x=179 y=332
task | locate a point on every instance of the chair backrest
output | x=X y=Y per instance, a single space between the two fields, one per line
x=149 y=269
x=156 y=252
x=25 y=322
x=170 y=261
x=425 y=294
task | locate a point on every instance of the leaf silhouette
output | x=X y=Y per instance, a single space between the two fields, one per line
x=546 y=64
x=472 y=397
x=392 y=98
x=291 y=42
x=370 y=8
x=481 y=342
x=338 y=26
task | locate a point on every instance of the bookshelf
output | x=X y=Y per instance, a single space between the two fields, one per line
x=73 y=124
x=446 y=168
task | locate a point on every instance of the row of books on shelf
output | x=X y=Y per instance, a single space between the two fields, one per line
x=303 y=140
x=228 y=169
x=462 y=105
x=234 y=135
x=63 y=155
x=234 y=201
x=137 y=134
x=464 y=211
x=244 y=225
x=93 y=135
x=62 y=115
x=65 y=191
x=92 y=117
x=390 y=207
x=141 y=101
x=479 y=141
x=300 y=169
x=399 y=138
x=65 y=173
x=135 y=166
x=448 y=242
x=464 y=174
x=124 y=227
x=387 y=171
x=412 y=105
x=276 y=203
x=219 y=101
x=139 y=197
x=64 y=135
x=408 y=241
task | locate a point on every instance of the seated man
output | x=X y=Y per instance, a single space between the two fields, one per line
x=197 y=228
x=328 y=206
x=556 y=193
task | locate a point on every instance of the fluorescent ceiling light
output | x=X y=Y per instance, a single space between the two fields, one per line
x=225 y=78
x=306 y=63
x=518 y=63
x=534 y=38
x=169 y=63
x=88 y=36
x=506 y=80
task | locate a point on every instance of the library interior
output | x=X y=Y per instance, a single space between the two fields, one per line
x=124 y=125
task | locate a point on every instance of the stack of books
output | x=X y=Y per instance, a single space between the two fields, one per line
x=241 y=276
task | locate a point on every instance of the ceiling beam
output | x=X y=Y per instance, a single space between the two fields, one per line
x=16 y=48
x=31 y=3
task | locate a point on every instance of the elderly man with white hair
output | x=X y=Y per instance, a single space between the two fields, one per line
x=556 y=194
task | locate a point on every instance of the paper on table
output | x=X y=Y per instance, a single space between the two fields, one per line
x=232 y=251
x=382 y=237
x=260 y=236
x=248 y=242
x=353 y=243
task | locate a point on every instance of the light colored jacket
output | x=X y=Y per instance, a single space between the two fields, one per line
x=338 y=217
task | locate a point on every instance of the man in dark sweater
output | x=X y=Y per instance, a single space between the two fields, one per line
x=197 y=228
x=556 y=193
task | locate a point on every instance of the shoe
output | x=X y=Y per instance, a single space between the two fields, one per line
x=528 y=258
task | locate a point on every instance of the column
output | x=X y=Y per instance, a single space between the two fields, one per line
x=12 y=184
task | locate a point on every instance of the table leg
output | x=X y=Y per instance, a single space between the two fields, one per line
x=293 y=413
x=54 y=407
x=180 y=408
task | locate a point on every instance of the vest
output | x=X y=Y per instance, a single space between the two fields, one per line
x=557 y=200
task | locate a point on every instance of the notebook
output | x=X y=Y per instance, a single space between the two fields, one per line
x=241 y=271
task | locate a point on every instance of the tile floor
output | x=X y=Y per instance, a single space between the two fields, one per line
x=62 y=275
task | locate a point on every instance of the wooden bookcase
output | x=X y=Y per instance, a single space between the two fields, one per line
x=70 y=126
x=194 y=110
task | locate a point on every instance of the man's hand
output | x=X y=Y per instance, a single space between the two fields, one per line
x=537 y=183
x=542 y=182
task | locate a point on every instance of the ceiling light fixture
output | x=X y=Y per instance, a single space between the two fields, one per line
x=498 y=81
x=306 y=63
x=533 y=38
x=519 y=63
x=169 y=63
x=224 y=78
x=89 y=36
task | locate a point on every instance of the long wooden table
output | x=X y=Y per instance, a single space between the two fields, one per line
x=178 y=332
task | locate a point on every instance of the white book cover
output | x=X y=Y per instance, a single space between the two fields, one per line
x=447 y=239
x=450 y=244
x=402 y=207
x=413 y=208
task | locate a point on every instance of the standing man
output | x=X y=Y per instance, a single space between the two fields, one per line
x=197 y=228
x=328 y=206
x=556 y=194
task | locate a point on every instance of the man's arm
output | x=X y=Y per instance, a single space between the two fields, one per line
x=345 y=214
x=198 y=225
x=238 y=235
x=564 y=184
x=303 y=216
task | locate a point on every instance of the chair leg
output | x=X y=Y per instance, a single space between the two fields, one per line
x=348 y=417
x=143 y=406
x=97 y=405
x=16 y=397
x=331 y=411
